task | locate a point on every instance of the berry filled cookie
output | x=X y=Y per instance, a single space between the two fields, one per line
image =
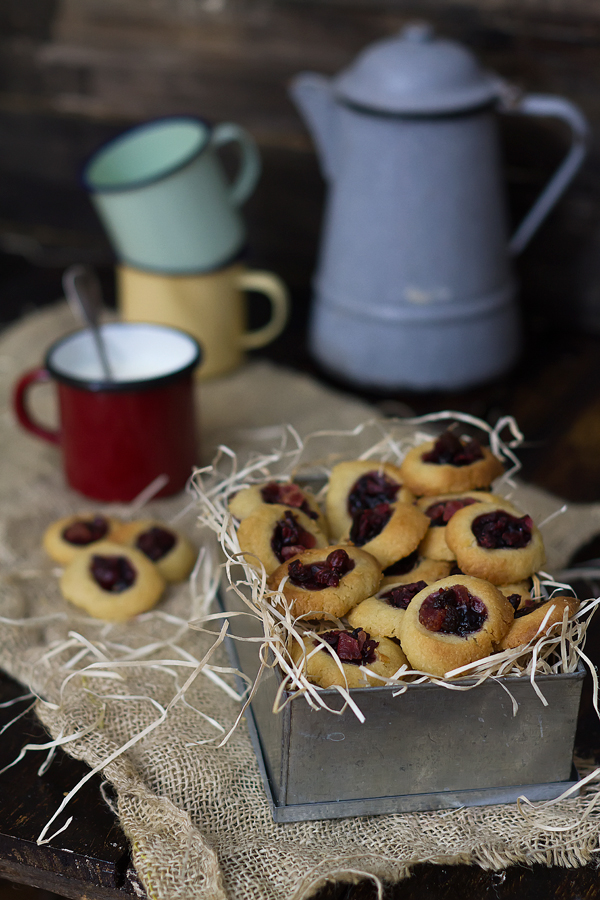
x=359 y=485
x=66 y=537
x=492 y=543
x=340 y=657
x=530 y=618
x=389 y=531
x=170 y=551
x=449 y=464
x=327 y=582
x=440 y=509
x=453 y=622
x=112 y=582
x=248 y=500
x=275 y=533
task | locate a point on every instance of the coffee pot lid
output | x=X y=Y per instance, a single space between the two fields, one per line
x=416 y=72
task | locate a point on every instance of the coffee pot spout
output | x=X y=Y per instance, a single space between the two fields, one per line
x=313 y=96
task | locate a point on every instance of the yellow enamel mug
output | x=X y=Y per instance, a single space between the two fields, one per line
x=212 y=307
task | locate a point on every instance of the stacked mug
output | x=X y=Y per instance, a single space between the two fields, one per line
x=174 y=221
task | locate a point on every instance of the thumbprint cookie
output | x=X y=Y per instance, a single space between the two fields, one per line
x=248 y=500
x=440 y=509
x=345 y=658
x=415 y=567
x=449 y=464
x=275 y=533
x=170 y=551
x=327 y=582
x=518 y=593
x=382 y=614
x=389 y=531
x=358 y=485
x=453 y=622
x=112 y=582
x=536 y=619
x=492 y=543
x=66 y=537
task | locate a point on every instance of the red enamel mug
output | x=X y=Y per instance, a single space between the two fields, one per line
x=118 y=436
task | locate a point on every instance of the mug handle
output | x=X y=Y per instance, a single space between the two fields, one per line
x=275 y=290
x=40 y=375
x=547 y=105
x=249 y=170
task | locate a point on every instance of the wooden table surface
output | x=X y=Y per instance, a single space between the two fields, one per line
x=554 y=393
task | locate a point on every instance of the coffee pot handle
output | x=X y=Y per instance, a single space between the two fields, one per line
x=549 y=107
x=249 y=169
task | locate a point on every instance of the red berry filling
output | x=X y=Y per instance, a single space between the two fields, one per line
x=354 y=647
x=289 y=538
x=528 y=607
x=514 y=600
x=499 y=530
x=450 y=450
x=287 y=495
x=156 y=542
x=320 y=575
x=369 y=523
x=441 y=513
x=453 y=610
x=404 y=565
x=112 y=573
x=371 y=490
x=400 y=596
x=85 y=531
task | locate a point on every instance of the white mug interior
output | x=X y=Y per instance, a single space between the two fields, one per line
x=137 y=352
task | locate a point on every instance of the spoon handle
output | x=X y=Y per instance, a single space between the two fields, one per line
x=83 y=293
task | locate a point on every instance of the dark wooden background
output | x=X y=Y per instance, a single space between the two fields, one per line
x=75 y=72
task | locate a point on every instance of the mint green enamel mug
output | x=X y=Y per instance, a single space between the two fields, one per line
x=163 y=196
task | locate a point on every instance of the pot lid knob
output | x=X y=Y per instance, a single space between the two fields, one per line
x=416 y=72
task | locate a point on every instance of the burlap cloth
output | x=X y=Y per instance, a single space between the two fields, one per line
x=196 y=814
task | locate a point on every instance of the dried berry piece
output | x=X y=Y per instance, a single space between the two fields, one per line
x=319 y=575
x=450 y=450
x=156 y=542
x=453 y=610
x=404 y=565
x=289 y=538
x=85 y=531
x=287 y=495
x=514 y=600
x=369 y=523
x=113 y=573
x=441 y=513
x=354 y=647
x=499 y=530
x=399 y=597
x=370 y=490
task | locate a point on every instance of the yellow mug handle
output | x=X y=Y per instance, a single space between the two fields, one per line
x=275 y=290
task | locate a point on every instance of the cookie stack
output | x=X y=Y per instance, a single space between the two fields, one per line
x=419 y=563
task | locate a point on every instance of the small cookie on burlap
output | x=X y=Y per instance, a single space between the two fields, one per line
x=112 y=582
x=68 y=536
x=169 y=550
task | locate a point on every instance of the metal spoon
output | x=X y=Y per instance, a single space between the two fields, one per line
x=84 y=295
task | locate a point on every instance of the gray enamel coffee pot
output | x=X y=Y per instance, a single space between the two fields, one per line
x=414 y=286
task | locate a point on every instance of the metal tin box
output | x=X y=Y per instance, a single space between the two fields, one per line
x=429 y=748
